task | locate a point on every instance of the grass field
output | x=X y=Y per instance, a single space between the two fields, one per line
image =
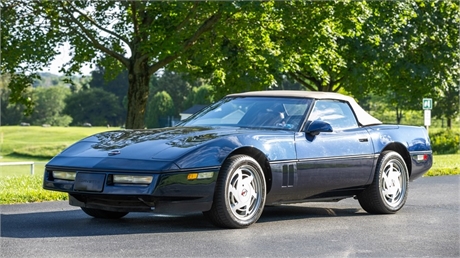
x=22 y=142
x=40 y=144
x=37 y=144
x=448 y=164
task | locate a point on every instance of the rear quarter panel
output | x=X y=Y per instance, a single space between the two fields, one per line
x=415 y=142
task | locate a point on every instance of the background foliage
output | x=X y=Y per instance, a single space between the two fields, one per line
x=445 y=141
x=396 y=51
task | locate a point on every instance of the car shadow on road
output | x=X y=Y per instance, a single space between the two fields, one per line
x=293 y=212
x=74 y=223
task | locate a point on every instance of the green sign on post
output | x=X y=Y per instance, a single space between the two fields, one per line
x=427 y=103
x=427 y=106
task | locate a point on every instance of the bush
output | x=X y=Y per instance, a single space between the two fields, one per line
x=445 y=142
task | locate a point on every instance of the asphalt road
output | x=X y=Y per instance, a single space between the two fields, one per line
x=428 y=226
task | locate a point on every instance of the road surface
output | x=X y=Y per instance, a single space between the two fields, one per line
x=427 y=226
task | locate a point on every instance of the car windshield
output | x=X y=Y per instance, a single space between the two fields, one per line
x=254 y=112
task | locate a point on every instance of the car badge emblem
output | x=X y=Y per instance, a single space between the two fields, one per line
x=244 y=192
x=114 y=152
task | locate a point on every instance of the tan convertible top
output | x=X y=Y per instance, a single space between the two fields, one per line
x=363 y=117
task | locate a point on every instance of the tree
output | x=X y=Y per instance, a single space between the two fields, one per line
x=202 y=95
x=447 y=106
x=419 y=54
x=49 y=104
x=314 y=41
x=440 y=49
x=21 y=29
x=78 y=83
x=401 y=50
x=141 y=37
x=177 y=85
x=285 y=82
x=160 y=106
x=404 y=47
x=241 y=59
x=118 y=85
x=95 y=106
x=10 y=114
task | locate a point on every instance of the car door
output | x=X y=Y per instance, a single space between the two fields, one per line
x=333 y=160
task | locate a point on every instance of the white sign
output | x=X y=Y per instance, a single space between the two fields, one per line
x=427 y=117
x=427 y=103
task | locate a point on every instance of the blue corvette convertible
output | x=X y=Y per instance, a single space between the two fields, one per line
x=241 y=153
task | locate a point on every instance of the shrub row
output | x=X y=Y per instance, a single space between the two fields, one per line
x=445 y=142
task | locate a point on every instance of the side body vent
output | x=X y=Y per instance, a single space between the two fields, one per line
x=288 y=175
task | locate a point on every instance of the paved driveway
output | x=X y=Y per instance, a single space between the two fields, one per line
x=427 y=226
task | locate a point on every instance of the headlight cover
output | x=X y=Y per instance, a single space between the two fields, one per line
x=130 y=179
x=70 y=176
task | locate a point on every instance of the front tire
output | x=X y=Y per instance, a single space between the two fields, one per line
x=240 y=192
x=102 y=214
x=388 y=192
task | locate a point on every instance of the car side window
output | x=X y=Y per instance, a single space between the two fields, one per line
x=337 y=113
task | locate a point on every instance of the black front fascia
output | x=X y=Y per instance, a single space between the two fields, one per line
x=168 y=192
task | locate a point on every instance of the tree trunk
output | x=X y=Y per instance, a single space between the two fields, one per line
x=138 y=94
x=399 y=115
x=449 y=123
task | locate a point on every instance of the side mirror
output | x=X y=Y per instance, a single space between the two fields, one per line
x=318 y=126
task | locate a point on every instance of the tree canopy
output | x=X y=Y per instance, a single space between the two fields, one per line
x=140 y=36
x=406 y=49
x=95 y=106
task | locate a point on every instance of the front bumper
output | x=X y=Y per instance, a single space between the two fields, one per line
x=168 y=193
x=122 y=203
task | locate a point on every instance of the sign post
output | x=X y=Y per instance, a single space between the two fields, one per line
x=427 y=106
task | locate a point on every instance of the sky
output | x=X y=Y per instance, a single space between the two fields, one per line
x=61 y=59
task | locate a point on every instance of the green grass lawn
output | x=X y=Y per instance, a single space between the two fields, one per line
x=22 y=142
x=37 y=144
x=447 y=164
x=40 y=144
x=446 y=161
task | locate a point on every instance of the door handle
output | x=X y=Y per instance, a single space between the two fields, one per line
x=363 y=139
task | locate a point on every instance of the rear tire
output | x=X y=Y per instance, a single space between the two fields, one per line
x=239 y=197
x=102 y=214
x=388 y=192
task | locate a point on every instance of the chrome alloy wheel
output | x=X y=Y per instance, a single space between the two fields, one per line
x=244 y=192
x=393 y=185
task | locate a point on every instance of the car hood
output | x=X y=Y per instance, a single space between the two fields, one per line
x=157 y=149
